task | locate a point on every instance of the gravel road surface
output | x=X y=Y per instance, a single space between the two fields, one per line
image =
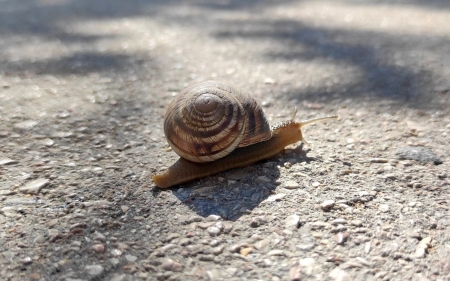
x=83 y=90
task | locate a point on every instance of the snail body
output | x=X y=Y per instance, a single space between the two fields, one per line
x=218 y=148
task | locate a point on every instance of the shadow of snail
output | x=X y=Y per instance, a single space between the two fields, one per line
x=215 y=126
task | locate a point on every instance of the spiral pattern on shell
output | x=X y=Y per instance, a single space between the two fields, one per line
x=208 y=120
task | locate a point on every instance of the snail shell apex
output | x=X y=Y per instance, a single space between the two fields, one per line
x=208 y=120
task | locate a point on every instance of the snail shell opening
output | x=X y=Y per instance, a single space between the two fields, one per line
x=208 y=120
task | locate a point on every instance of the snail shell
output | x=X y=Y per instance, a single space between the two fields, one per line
x=208 y=120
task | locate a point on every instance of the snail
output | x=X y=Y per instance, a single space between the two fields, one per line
x=215 y=126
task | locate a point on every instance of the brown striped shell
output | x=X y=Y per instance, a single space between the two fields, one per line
x=208 y=120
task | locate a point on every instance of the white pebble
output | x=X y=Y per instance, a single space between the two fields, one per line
x=94 y=270
x=338 y=274
x=213 y=218
x=34 y=187
x=384 y=208
x=291 y=185
x=275 y=197
x=292 y=221
x=327 y=205
x=213 y=230
x=116 y=252
x=131 y=258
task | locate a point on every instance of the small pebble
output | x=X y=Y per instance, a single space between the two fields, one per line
x=47 y=142
x=7 y=161
x=27 y=261
x=245 y=251
x=378 y=160
x=214 y=243
x=194 y=249
x=168 y=247
x=269 y=80
x=114 y=261
x=194 y=219
x=356 y=223
x=34 y=187
x=338 y=274
x=255 y=222
x=34 y=276
x=307 y=262
x=384 y=208
x=292 y=222
x=213 y=218
x=213 y=230
x=327 y=205
x=130 y=258
x=276 y=253
x=97 y=236
x=205 y=225
x=98 y=248
x=351 y=264
x=262 y=244
x=121 y=277
x=390 y=176
x=423 y=247
x=218 y=250
x=219 y=225
x=236 y=248
x=418 y=153
x=185 y=241
x=266 y=103
x=171 y=236
x=39 y=239
x=341 y=237
x=275 y=197
x=367 y=247
x=61 y=134
x=295 y=274
x=338 y=228
x=227 y=227
x=291 y=184
x=380 y=274
x=305 y=247
x=94 y=270
x=171 y=265
x=26 y=124
x=116 y=252
x=319 y=225
x=262 y=179
x=338 y=221
x=363 y=261
x=361 y=230
x=420 y=252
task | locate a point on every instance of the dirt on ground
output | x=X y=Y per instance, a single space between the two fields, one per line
x=84 y=86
